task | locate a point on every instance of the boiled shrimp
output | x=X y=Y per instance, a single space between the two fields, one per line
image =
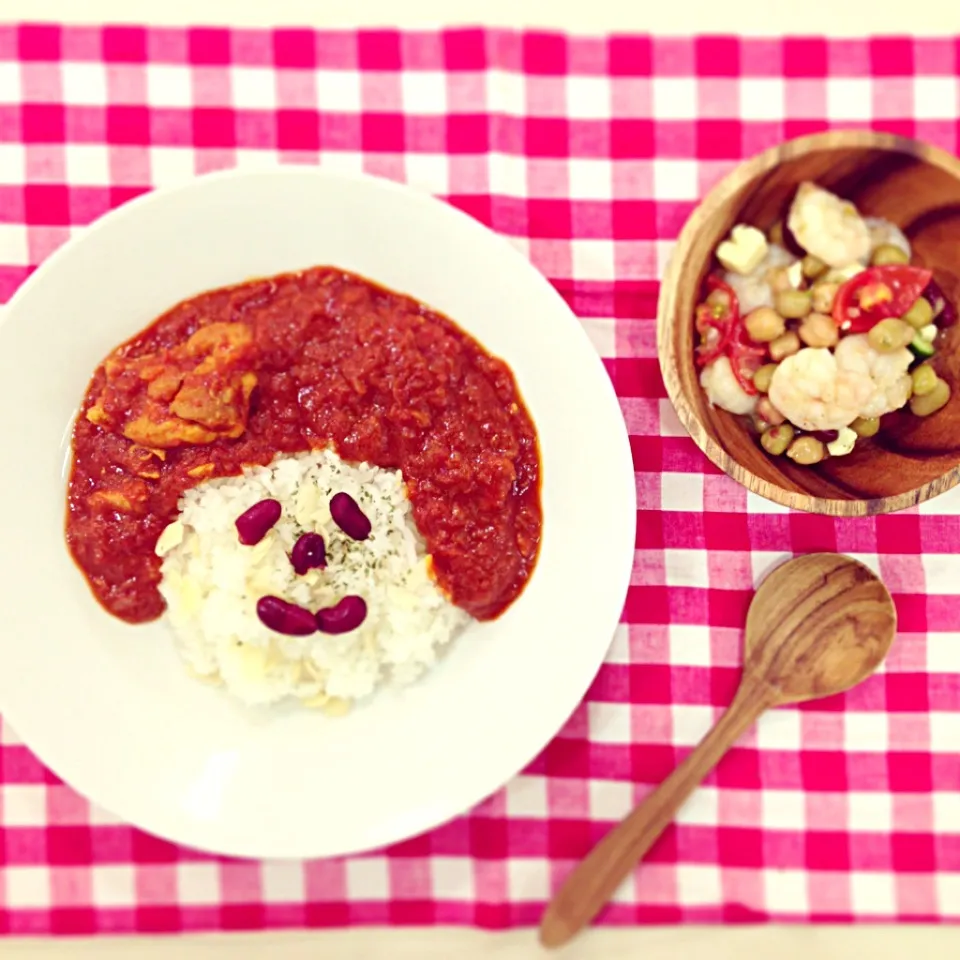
x=723 y=390
x=814 y=393
x=890 y=382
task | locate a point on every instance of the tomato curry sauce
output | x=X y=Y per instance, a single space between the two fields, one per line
x=284 y=365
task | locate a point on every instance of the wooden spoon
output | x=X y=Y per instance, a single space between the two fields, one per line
x=818 y=625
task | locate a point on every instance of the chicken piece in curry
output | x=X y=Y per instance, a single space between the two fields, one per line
x=192 y=393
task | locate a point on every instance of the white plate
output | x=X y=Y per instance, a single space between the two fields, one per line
x=108 y=707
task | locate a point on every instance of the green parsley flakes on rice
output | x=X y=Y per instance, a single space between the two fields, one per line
x=212 y=582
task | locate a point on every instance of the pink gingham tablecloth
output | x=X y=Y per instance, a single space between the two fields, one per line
x=588 y=154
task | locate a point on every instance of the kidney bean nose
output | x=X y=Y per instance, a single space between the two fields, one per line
x=347 y=615
x=283 y=617
x=827 y=436
x=308 y=552
x=253 y=524
x=348 y=516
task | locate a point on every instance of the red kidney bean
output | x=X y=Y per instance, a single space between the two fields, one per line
x=944 y=312
x=348 y=516
x=253 y=524
x=285 y=617
x=826 y=436
x=347 y=615
x=308 y=552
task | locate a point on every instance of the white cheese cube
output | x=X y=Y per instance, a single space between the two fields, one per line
x=843 y=444
x=743 y=251
x=843 y=274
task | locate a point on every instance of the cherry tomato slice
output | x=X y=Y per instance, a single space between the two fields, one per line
x=731 y=338
x=745 y=362
x=718 y=319
x=877 y=293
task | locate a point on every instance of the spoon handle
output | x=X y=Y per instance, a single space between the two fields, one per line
x=594 y=880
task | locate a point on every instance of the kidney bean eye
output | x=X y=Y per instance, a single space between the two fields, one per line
x=253 y=524
x=348 y=516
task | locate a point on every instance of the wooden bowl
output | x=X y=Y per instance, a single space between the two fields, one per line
x=916 y=186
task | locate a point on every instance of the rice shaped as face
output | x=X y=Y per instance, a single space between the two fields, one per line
x=212 y=583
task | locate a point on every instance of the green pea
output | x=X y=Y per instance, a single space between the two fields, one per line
x=927 y=403
x=866 y=426
x=775 y=440
x=887 y=254
x=920 y=314
x=924 y=379
x=889 y=335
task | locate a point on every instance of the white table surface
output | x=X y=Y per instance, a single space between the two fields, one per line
x=847 y=18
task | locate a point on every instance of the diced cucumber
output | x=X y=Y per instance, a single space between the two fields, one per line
x=921 y=347
x=929 y=332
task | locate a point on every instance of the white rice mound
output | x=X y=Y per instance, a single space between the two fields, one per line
x=212 y=582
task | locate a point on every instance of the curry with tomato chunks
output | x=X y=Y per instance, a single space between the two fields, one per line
x=296 y=362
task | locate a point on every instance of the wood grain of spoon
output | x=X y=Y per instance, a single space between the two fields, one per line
x=818 y=625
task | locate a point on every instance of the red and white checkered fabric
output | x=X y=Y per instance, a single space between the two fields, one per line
x=588 y=153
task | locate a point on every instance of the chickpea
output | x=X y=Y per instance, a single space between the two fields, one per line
x=806 y=450
x=890 y=335
x=764 y=324
x=793 y=304
x=812 y=266
x=931 y=402
x=778 y=279
x=775 y=440
x=886 y=254
x=776 y=233
x=924 y=380
x=784 y=346
x=920 y=314
x=822 y=296
x=865 y=426
x=767 y=412
x=819 y=330
x=762 y=378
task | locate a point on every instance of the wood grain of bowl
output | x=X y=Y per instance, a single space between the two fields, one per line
x=913 y=184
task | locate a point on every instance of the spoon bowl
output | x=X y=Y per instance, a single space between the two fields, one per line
x=817 y=625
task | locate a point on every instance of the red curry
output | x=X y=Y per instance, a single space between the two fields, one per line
x=288 y=364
